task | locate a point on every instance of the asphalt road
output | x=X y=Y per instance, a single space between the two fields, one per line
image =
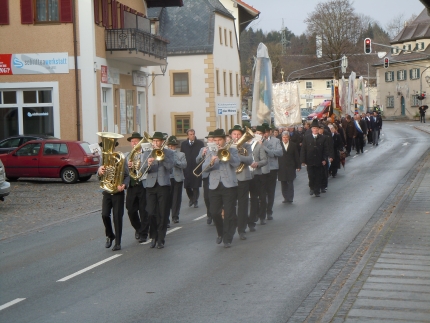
x=262 y=279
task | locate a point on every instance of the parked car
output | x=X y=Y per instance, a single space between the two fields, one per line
x=245 y=117
x=304 y=113
x=65 y=159
x=4 y=186
x=9 y=144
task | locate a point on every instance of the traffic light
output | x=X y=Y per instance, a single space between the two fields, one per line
x=367 y=46
x=386 y=62
x=422 y=96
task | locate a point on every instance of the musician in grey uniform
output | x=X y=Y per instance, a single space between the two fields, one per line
x=205 y=176
x=257 y=188
x=244 y=178
x=158 y=190
x=223 y=189
x=176 y=178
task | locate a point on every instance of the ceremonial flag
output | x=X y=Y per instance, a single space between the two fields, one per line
x=286 y=104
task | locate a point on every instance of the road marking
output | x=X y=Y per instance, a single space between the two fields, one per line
x=200 y=217
x=170 y=231
x=405 y=143
x=381 y=140
x=354 y=156
x=88 y=268
x=367 y=150
x=17 y=300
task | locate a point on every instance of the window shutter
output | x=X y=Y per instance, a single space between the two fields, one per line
x=96 y=11
x=386 y=76
x=105 y=13
x=4 y=12
x=66 y=14
x=418 y=73
x=398 y=76
x=410 y=74
x=27 y=16
x=114 y=11
x=392 y=76
x=405 y=74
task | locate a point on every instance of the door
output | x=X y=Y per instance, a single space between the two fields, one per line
x=107 y=110
x=141 y=124
x=25 y=161
x=402 y=104
x=54 y=156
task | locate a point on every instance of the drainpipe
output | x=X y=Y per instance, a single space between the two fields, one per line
x=75 y=54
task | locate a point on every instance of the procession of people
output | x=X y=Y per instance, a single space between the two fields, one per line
x=239 y=170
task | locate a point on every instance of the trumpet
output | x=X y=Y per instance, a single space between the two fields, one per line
x=157 y=154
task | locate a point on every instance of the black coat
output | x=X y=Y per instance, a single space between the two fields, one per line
x=191 y=153
x=288 y=162
x=375 y=125
x=337 y=146
x=313 y=152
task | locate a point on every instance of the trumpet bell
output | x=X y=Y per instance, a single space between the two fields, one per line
x=158 y=154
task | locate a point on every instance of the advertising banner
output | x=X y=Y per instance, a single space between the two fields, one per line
x=38 y=63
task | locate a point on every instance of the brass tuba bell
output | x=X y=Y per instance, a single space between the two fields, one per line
x=242 y=151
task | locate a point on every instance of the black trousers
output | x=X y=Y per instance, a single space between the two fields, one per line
x=271 y=188
x=114 y=202
x=224 y=198
x=288 y=190
x=359 y=142
x=348 y=144
x=257 y=190
x=175 y=198
x=324 y=175
x=369 y=137
x=314 y=175
x=206 y=196
x=157 y=198
x=242 y=205
x=193 y=194
x=422 y=118
x=135 y=202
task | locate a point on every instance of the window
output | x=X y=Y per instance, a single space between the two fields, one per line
x=414 y=100
x=55 y=149
x=180 y=83
x=182 y=124
x=390 y=101
x=328 y=84
x=407 y=48
x=4 y=12
x=309 y=85
x=309 y=103
x=237 y=84
x=395 y=50
x=220 y=35
x=13 y=142
x=414 y=73
x=45 y=11
x=231 y=39
x=225 y=36
x=401 y=75
x=29 y=150
x=231 y=83
x=389 y=76
x=419 y=46
x=225 y=83
x=217 y=83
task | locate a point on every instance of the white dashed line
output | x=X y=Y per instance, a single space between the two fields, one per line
x=366 y=150
x=170 y=231
x=405 y=143
x=200 y=217
x=17 y=300
x=354 y=156
x=88 y=268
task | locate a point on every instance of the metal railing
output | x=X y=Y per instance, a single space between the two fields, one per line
x=133 y=39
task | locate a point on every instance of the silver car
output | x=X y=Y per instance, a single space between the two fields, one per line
x=4 y=186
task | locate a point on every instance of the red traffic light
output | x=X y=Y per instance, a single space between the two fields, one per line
x=386 y=62
x=367 y=46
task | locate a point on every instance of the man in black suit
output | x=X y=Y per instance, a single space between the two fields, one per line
x=191 y=148
x=315 y=147
x=375 y=127
x=369 y=133
x=289 y=163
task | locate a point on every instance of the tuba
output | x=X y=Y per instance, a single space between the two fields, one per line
x=134 y=157
x=242 y=151
x=112 y=161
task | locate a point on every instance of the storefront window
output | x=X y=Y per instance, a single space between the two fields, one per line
x=9 y=97
x=8 y=122
x=30 y=96
x=45 y=96
x=38 y=121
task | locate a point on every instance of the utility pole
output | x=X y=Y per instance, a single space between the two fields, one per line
x=284 y=40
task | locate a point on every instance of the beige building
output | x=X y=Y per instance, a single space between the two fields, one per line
x=407 y=75
x=77 y=66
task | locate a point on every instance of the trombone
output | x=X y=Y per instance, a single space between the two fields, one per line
x=202 y=161
x=157 y=154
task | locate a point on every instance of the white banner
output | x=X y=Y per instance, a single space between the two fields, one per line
x=41 y=63
x=286 y=104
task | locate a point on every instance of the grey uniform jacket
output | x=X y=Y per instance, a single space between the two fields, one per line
x=179 y=164
x=159 y=171
x=245 y=175
x=199 y=158
x=224 y=172
x=260 y=157
x=273 y=148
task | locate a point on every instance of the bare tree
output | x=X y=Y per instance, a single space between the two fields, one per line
x=340 y=27
x=395 y=25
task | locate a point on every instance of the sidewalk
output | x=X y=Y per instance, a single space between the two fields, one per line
x=423 y=127
x=395 y=285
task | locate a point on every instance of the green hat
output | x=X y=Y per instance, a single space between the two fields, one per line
x=261 y=129
x=157 y=135
x=236 y=127
x=219 y=133
x=135 y=135
x=315 y=123
x=210 y=135
x=172 y=141
x=265 y=125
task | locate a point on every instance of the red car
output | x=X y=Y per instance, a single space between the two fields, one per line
x=67 y=159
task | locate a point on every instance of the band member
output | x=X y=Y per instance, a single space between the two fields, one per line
x=158 y=190
x=257 y=188
x=223 y=188
x=191 y=148
x=114 y=202
x=314 y=149
x=289 y=163
x=176 y=178
x=273 y=149
x=205 y=176
x=135 y=201
x=244 y=178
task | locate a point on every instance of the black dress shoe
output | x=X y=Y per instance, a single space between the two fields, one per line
x=190 y=203
x=251 y=229
x=160 y=245
x=209 y=220
x=270 y=217
x=242 y=236
x=176 y=221
x=153 y=243
x=196 y=205
x=218 y=240
x=290 y=202
x=227 y=244
x=284 y=201
x=323 y=190
x=262 y=222
x=317 y=194
x=142 y=238
x=109 y=242
x=311 y=192
x=116 y=247
x=136 y=235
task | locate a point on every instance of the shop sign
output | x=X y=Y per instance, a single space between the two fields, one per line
x=104 y=72
x=36 y=63
x=226 y=109
x=139 y=78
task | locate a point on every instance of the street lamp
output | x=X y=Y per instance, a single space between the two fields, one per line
x=163 y=69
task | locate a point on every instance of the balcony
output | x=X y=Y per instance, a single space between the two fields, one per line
x=136 y=47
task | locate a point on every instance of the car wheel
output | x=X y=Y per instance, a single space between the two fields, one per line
x=11 y=178
x=69 y=175
x=84 y=178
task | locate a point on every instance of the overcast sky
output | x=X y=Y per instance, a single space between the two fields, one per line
x=294 y=12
